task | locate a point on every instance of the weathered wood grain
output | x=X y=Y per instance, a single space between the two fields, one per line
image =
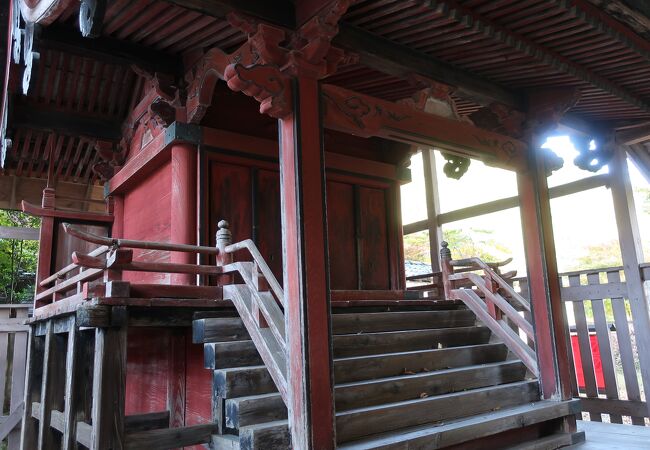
x=360 y=422
x=423 y=384
x=476 y=427
x=390 y=342
x=169 y=438
x=267 y=435
x=254 y=409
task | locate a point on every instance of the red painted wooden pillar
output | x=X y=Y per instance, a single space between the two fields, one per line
x=544 y=284
x=45 y=241
x=311 y=409
x=183 y=231
x=118 y=217
x=183 y=206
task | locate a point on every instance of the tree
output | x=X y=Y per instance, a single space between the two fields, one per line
x=598 y=256
x=17 y=259
x=464 y=243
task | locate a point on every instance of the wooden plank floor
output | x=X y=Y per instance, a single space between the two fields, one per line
x=609 y=436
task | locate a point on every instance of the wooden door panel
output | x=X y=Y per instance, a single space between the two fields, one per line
x=268 y=219
x=230 y=199
x=373 y=241
x=341 y=236
x=248 y=196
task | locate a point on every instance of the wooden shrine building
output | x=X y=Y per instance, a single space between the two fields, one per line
x=221 y=246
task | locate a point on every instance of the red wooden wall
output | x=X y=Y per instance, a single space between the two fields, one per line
x=147 y=216
x=163 y=366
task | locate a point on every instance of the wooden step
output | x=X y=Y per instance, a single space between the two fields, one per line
x=254 y=380
x=361 y=422
x=226 y=329
x=242 y=381
x=254 y=409
x=396 y=321
x=412 y=386
x=251 y=409
x=219 y=329
x=551 y=442
x=224 y=355
x=402 y=341
x=225 y=442
x=266 y=436
x=359 y=368
x=434 y=436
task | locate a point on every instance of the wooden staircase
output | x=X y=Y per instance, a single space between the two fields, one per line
x=430 y=377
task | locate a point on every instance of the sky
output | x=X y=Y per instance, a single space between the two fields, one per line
x=579 y=220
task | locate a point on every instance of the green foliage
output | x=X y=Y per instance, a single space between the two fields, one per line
x=645 y=195
x=598 y=256
x=416 y=247
x=17 y=260
x=472 y=242
x=463 y=244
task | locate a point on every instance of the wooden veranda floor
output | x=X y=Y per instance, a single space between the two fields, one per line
x=609 y=436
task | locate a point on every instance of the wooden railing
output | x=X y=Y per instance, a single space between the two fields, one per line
x=260 y=304
x=13 y=356
x=479 y=286
x=603 y=329
x=259 y=300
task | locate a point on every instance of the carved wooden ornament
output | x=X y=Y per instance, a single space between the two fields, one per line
x=91 y=17
x=366 y=116
x=44 y=12
x=263 y=66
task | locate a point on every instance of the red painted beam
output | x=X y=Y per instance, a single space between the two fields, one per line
x=311 y=407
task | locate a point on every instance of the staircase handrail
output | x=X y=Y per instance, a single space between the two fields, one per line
x=492 y=307
x=262 y=316
x=259 y=301
x=262 y=265
x=479 y=264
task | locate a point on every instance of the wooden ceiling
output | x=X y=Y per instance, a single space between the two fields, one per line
x=490 y=50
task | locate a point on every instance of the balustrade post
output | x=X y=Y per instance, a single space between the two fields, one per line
x=447 y=269
x=224 y=239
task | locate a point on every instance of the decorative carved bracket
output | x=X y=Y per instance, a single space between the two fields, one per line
x=546 y=108
x=366 y=116
x=159 y=108
x=91 y=17
x=31 y=55
x=111 y=158
x=264 y=83
x=501 y=119
x=263 y=65
x=434 y=98
x=593 y=159
x=43 y=12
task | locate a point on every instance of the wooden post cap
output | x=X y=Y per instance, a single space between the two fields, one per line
x=224 y=236
x=445 y=253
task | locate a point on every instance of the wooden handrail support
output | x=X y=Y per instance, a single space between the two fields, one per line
x=477 y=263
x=492 y=308
x=258 y=307
x=259 y=301
x=131 y=243
x=70 y=267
